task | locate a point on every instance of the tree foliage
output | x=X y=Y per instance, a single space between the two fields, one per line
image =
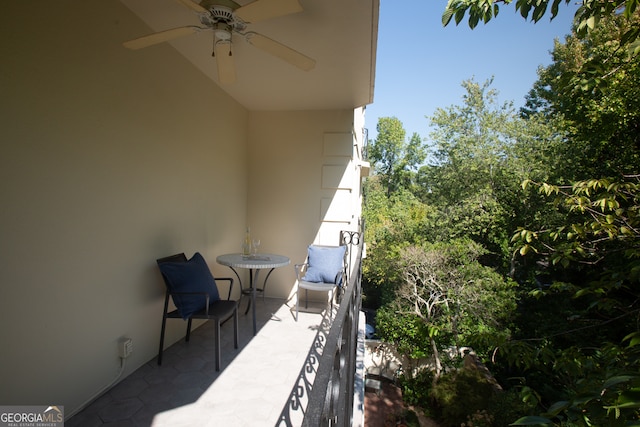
x=599 y=241
x=392 y=222
x=595 y=88
x=480 y=151
x=394 y=158
x=584 y=254
x=548 y=196
x=587 y=17
x=448 y=298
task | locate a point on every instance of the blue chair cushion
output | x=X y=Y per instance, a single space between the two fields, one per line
x=190 y=276
x=325 y=264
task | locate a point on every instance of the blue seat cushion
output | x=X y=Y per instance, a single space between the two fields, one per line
x=325 y=264
x=190 y=276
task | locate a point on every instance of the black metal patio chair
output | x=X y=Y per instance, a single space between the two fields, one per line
x=195 y=295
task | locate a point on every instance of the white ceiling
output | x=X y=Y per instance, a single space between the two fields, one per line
x=341 y=35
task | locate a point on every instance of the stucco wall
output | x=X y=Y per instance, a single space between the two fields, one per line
x=289 y=155
x=110 y=159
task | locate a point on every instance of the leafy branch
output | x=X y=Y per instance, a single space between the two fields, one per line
x=587 y=17
x=598 y=211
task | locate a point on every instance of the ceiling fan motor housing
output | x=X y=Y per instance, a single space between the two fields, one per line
x=222 y=15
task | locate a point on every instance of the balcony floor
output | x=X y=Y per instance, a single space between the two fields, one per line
x=265 y=382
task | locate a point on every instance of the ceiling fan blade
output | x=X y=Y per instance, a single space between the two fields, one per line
x=161 y=36
x=261 y=10
x=193 y=6
x=224 y=59
x=283 y=52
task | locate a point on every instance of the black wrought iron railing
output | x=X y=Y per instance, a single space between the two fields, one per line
x=332 y=397
x=365 y=144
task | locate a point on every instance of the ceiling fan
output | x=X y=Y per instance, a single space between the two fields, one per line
x=225 y=17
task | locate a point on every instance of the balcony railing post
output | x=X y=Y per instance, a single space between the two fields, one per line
x=332 y=396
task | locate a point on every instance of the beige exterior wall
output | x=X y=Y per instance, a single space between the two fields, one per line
x=111 y=159
x=293 y=157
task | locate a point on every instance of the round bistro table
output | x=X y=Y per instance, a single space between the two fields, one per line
x=253 y=263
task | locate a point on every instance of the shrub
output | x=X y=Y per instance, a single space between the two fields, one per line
x=415 y=391
x=479 y=419
x=460 y=394
x=508 y=406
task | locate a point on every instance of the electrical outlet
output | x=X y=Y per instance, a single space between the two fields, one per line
x=125 y=347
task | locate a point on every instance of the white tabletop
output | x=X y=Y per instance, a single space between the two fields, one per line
x=253 y=261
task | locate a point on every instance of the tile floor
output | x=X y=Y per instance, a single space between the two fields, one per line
x=265 y=382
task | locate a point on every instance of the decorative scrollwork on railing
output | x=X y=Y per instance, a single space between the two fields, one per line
x=331 y=399
x=350 y=238
x=293 y=412
x=323 y=393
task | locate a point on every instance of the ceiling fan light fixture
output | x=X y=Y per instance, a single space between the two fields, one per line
x=222 y=31
x=222 y=35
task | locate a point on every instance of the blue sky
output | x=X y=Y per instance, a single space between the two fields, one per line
x=421 y=64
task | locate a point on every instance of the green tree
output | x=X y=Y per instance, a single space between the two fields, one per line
x=394 y=158
x=594 y=358
x=445 y=298
x=595 y=88
x=578 y=344
x=391 y=223
x=467 y=145
x=479 y=154
x=575 y=341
